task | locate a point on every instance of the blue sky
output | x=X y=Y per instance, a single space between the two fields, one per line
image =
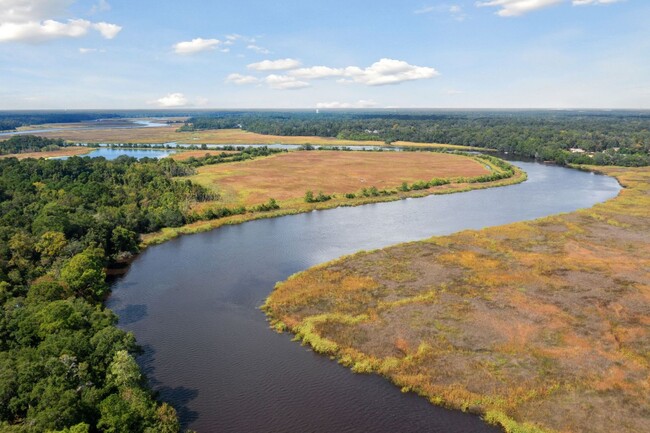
x=57 y=54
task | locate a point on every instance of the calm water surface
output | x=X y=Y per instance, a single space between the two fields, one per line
x=114 y=153
x=193 y=304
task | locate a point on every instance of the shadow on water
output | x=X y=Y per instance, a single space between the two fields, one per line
x=132 y=313
x=179 y=397
x=146 y=361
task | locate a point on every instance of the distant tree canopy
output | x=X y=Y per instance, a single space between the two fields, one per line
x=618 y=137
x=29 y=143
x=13 y=120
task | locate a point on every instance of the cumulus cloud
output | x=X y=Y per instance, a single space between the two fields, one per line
x=362 y=103
x=172 y=100
x=275 y=65
x=284 y=82
x=382 y=72
x=196 y=46
x=316 y=72
x=513 y=8
x=240 y=79
x=258 y=49
x=385 y=71
x=30 y=21
x=109 y=31
x=16 y=11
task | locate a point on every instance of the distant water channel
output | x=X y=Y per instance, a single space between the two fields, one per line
x=111 y=153
x=193 y=304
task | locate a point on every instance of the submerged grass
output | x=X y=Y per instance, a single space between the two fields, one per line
x=539 y=326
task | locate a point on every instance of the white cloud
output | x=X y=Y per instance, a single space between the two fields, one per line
x=258 y=49
x=275 y=65
x=31 y=21
x=593 y=2
x=389 y=71
x=512 y=8
x=385 y=71
x=109 y=31
x=90 y=50
x=17 y=11
x=315 y=72
x=196 y=46
x=172 y=100
x=284 y=82
x=240 y=79
x=34 y=31
x=101 y=6
x=362 y=103
x=454 y=10
x=457 y=13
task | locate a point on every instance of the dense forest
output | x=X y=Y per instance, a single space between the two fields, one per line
x=64 y=366
x=29 y=143
x=63 y=362
x=604 y=138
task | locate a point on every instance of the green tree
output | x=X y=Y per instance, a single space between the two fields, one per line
x=123 y=371
x=84 y=273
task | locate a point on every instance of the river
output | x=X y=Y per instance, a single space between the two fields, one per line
x=193 y=305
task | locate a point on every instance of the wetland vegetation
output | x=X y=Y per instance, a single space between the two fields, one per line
x=539 y=326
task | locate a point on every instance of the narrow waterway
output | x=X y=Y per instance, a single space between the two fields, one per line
x=193 y=304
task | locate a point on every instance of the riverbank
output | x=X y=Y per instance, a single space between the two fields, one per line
x=539 y=326
x=294 y=205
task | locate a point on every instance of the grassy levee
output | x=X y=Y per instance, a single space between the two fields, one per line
x=245 y=194
x=540 y=326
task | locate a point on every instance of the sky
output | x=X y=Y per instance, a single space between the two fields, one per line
x=119 y=54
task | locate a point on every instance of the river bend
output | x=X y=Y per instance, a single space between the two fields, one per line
x=193 y=305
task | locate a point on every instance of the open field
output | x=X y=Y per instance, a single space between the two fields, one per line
x=540 y=326
x=166 y=134
x=288 y=176
x=68 y=151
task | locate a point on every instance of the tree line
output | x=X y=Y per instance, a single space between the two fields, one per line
x=13 y=120
x=604 y=138
x=29 y=143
